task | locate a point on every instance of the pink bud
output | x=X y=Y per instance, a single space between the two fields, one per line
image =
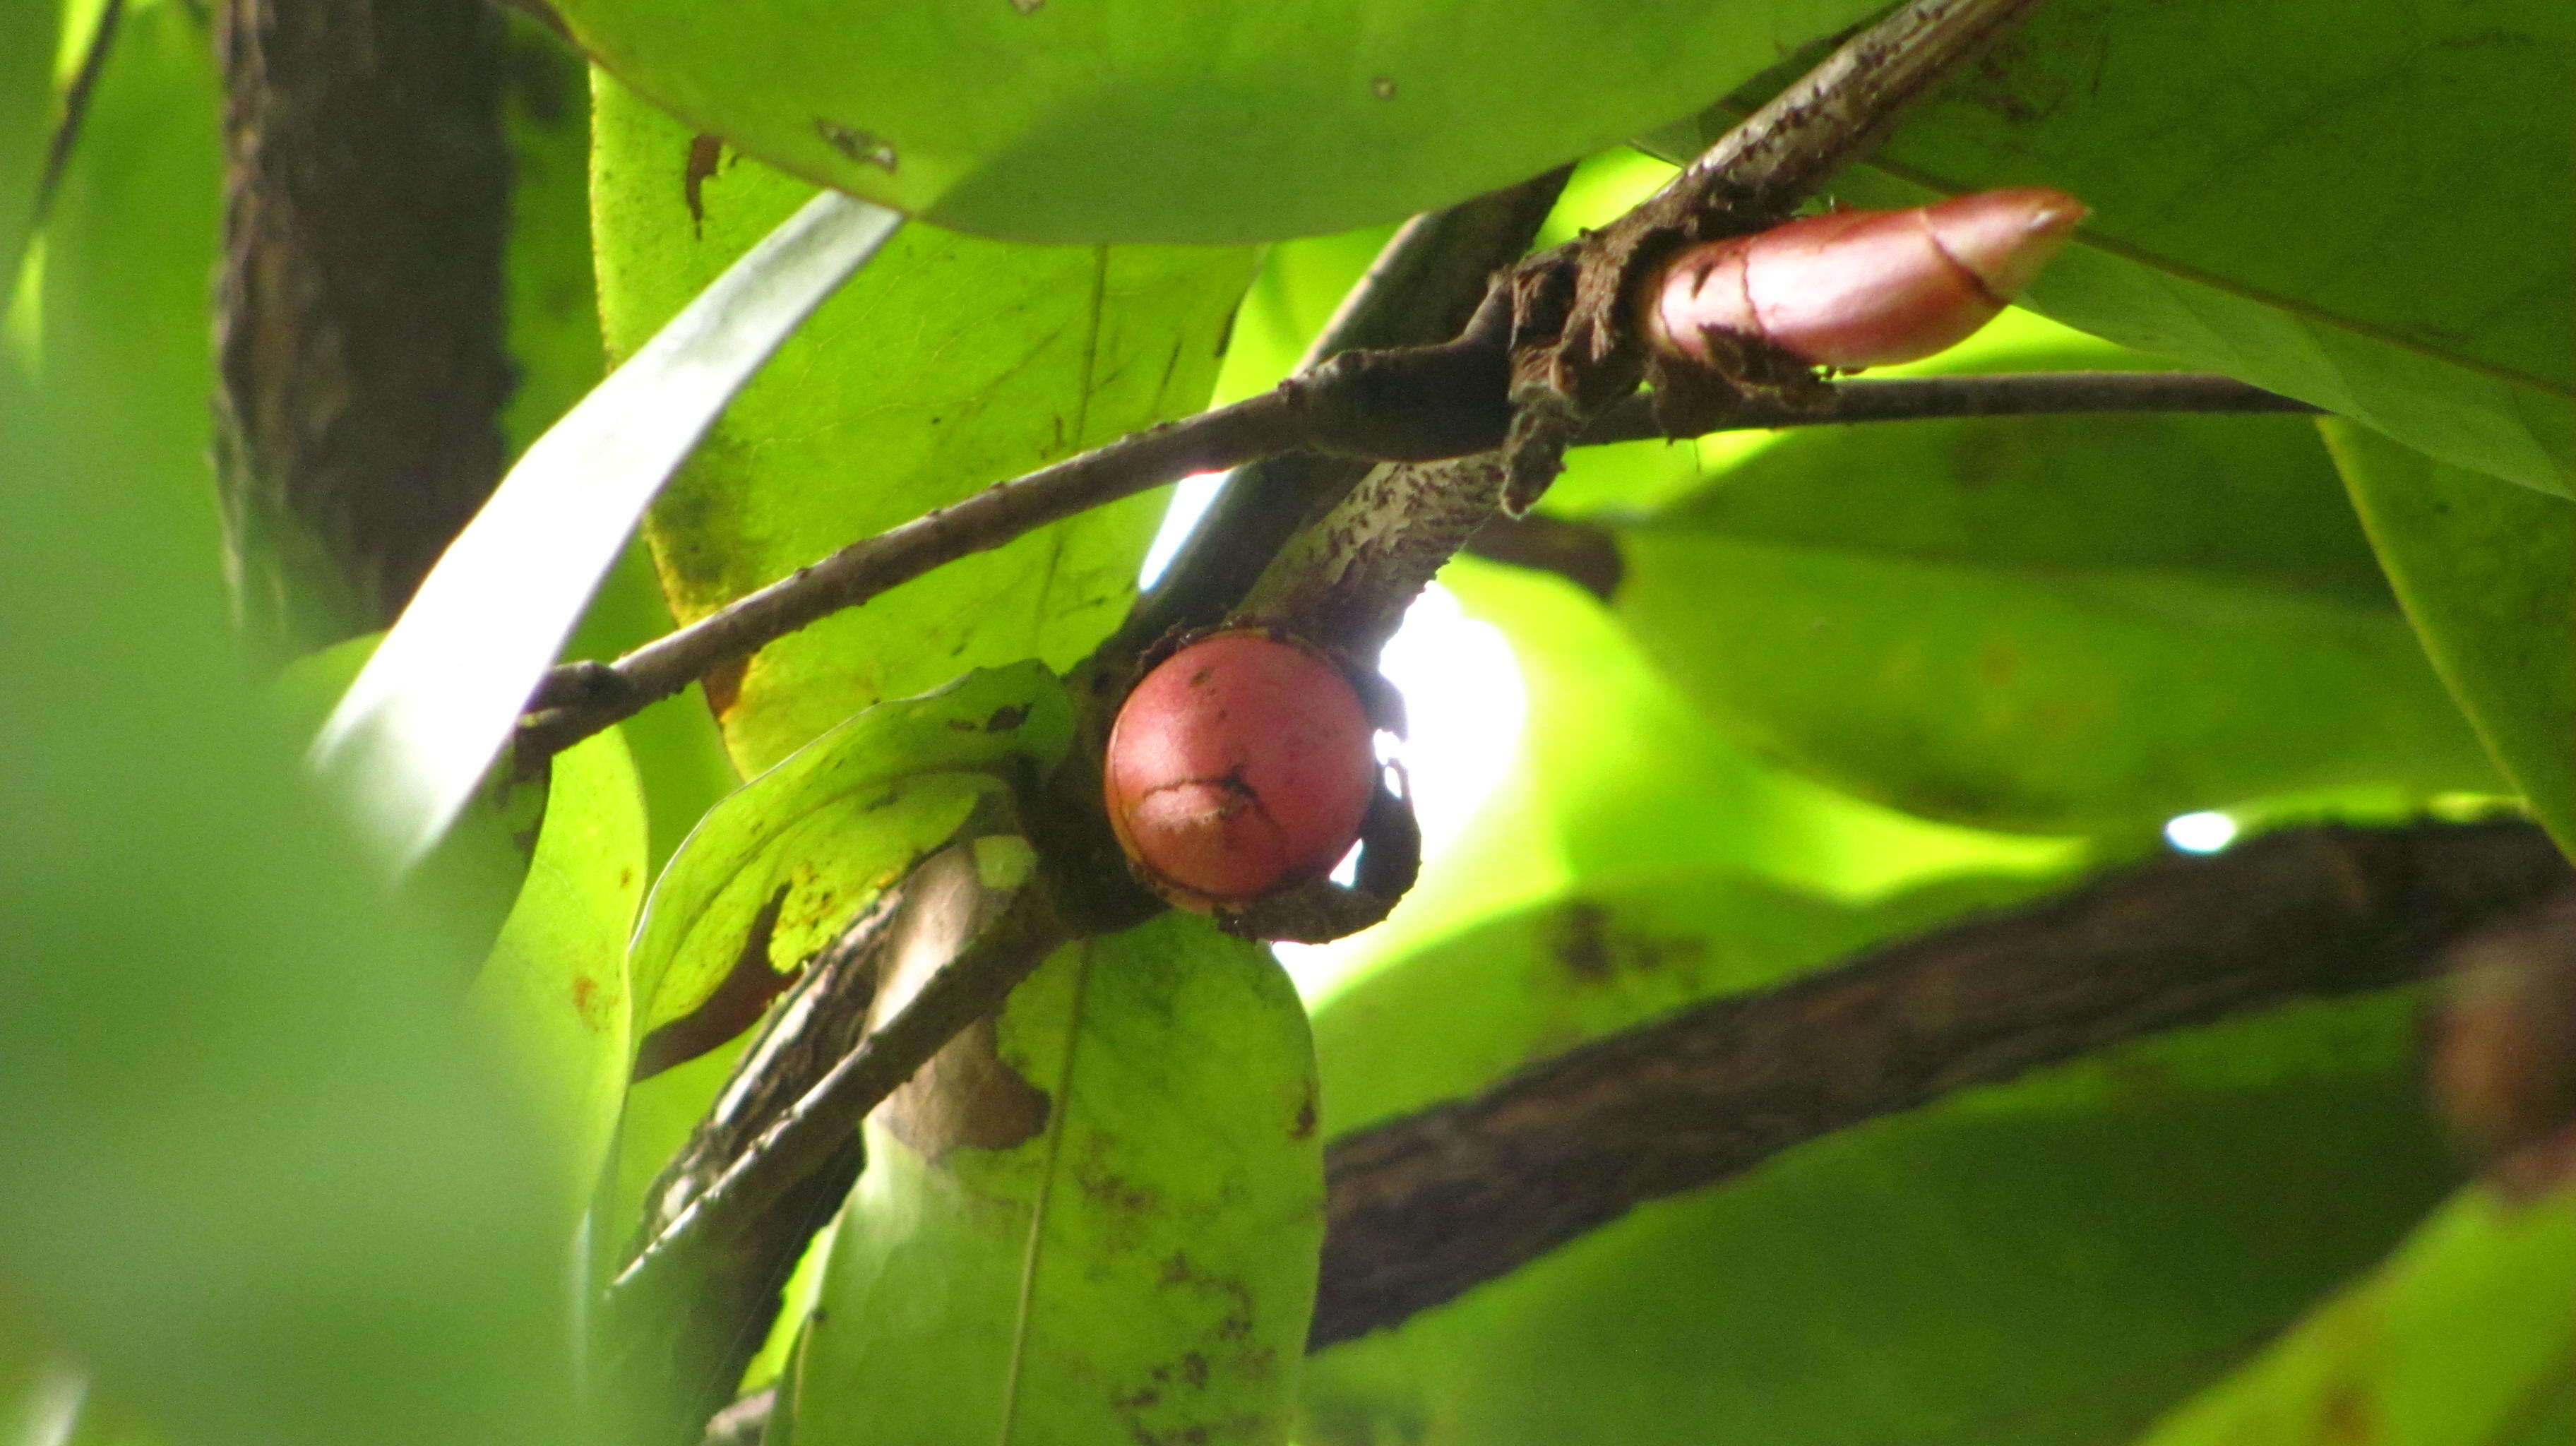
x=1863 y=288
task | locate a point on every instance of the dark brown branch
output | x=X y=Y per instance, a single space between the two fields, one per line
x=359 y=309
x=727 y=1222
x=1423 y=1208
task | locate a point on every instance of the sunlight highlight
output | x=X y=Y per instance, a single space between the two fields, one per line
x=2200 y=833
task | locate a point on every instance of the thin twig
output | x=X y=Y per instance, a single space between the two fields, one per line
x=75 y=113
x=1422 y=1208
x=581 y=699
x=2011 y=394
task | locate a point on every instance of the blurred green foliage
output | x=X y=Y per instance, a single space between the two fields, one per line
x=295 y=1156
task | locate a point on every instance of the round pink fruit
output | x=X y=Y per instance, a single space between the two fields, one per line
x=1240 y=766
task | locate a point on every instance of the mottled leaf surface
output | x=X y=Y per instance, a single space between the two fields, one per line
x=950 y=364
x=2054 y=624
x=2488 y=575
x=2362 y=205
x=1167 y=121
x=1110 y=1236
x=777 y=868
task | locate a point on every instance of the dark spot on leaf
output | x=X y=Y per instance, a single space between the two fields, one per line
x=1006 y=718
x=1115 y=1192
x=625 y=876
x=1303 y=1127
x=2344 y=1418
x=736 y=1003
x=724 y=688
x=1592 y=951
x=858 y=145
x=705 y=152
x=2540 y=1168
x=886 y=800
x=1583 y=941
x=585 y=994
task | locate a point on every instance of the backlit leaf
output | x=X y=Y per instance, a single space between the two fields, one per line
x=2488 y=575
x=2363 y=205
x=437 y=702
x=953 y=363
x=2056 y=624
x=1102 y=1229
x=1176 y=121
x=785 y=862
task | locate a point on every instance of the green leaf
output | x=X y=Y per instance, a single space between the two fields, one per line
x=437 y=702
x=1181 y=122
x=784 y=863
x=554 y=985
x=551 y=298
x=2463 y=1338
x=26 y=125
x=2057 y=624
x=2046 y=1263
x=1104 y=1227
x=2364 y=205
x=951 y=364
x=2488 y=576
x=263 y=1180
x=476 y=873
x=121 y=315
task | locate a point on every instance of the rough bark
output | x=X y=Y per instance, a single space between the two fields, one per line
x=1423 y=1208
x=359 y=303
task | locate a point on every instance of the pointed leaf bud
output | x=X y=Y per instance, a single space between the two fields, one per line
x=1861 y=288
